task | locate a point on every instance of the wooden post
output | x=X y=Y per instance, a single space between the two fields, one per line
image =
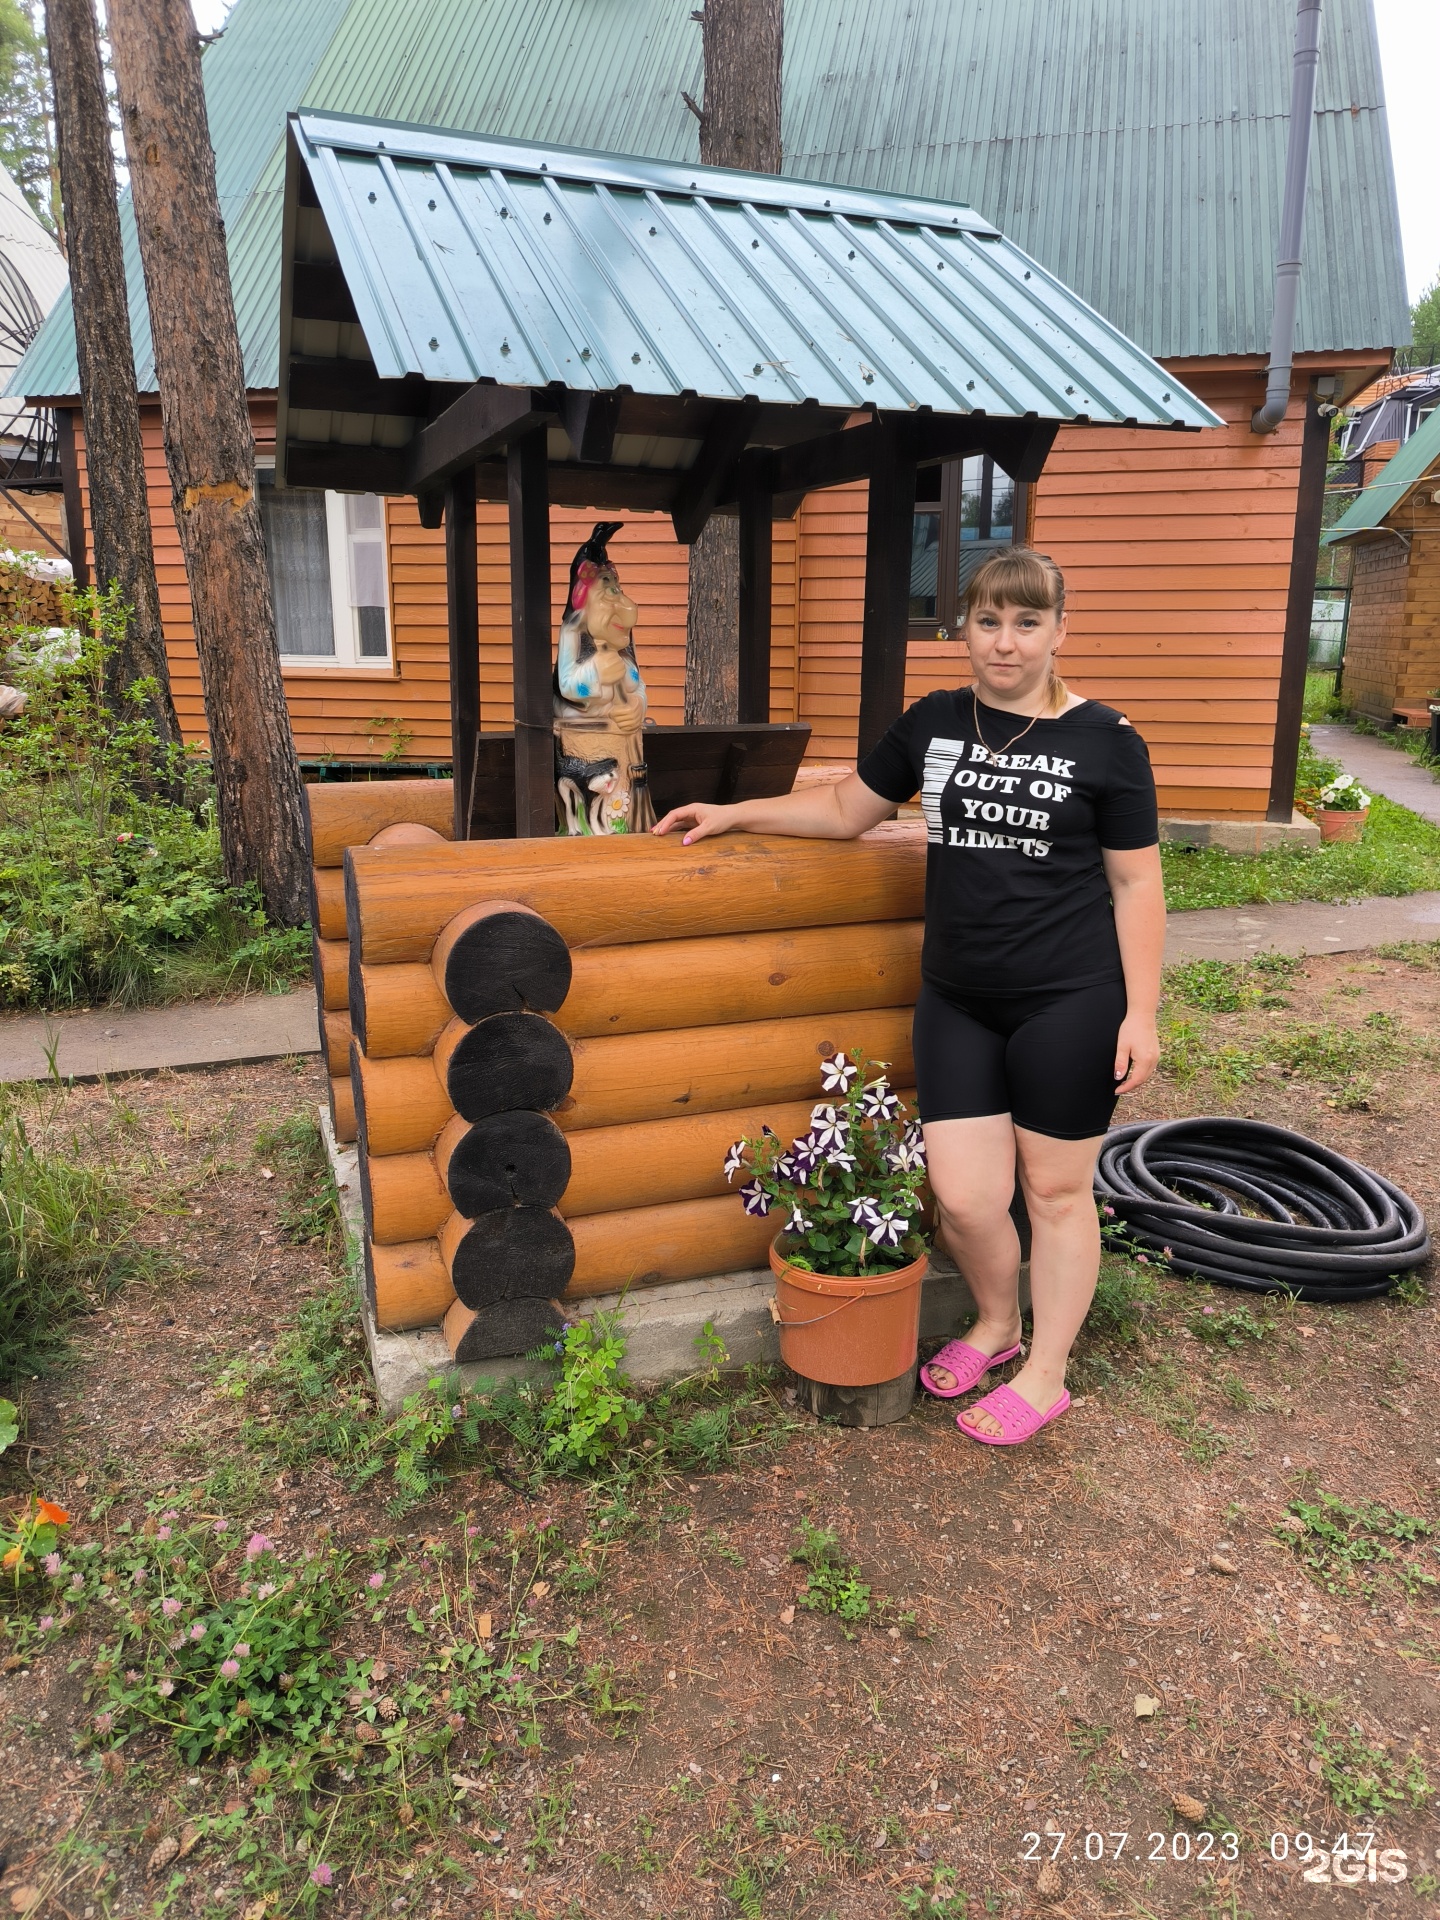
x=755 y=592
x=462 y=594
x=1299 y=611
x=529 y=490
x=888 y=535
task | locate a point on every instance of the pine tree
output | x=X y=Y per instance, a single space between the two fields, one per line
x=27 y=146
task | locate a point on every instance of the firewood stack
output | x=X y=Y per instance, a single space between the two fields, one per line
x=355 y=813
x=553 y=1042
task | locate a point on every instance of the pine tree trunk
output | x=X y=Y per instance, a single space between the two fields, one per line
x=210 y=449
x=115 y=457
x=739 y=127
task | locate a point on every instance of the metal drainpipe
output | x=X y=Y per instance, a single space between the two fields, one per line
x=1267 y=418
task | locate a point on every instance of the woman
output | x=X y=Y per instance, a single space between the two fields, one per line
x=1044 y=931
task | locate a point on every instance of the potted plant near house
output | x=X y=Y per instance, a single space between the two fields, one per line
x=850 y=1257
x=1344 y=808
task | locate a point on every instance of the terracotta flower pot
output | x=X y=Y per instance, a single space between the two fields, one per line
x=848 y=1332
x=1338 y=825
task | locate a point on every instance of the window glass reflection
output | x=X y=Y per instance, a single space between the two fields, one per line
x=924 y=565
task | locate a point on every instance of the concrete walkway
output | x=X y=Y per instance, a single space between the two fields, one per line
x=100 y=1042
x=1380 y=768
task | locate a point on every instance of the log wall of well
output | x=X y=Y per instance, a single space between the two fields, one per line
x=544 y=1047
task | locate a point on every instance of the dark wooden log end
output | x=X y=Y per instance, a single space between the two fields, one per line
x=513 y=1252
x=506 y=1160
x=506 y=962
x=507 y=1328
x=510 y=1060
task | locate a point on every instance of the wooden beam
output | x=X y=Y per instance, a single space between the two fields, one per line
x=888 y=532
x=462 y=592
x=706 y=481
x=590 y=421
x=73 y=497
x=347 y=469
x=530 y=635
x=318 y=292
x=1299 y=610
x=834 y=459
x=755 y=591
x=353 y=386
x=483 y=420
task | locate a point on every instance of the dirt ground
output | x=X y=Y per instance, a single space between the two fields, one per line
x=960 y=1762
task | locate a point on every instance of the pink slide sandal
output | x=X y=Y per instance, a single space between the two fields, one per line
x=1019 y=1421
x=968 y=1365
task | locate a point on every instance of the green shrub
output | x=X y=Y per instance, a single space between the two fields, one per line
x=112 y=886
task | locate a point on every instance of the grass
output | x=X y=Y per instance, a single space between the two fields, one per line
x=1399 y=853
x=1361 y=1776
x=1343 y=1547
x=65 y=1243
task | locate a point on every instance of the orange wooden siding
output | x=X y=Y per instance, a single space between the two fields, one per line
x=1176 y=550
x=1392 y=643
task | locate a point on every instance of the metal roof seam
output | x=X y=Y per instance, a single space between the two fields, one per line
x=327 y=164
x=529 y=328
x=795 y=222
x=822 y=354
x=770 y=355
x=425 y=254
x=605 y=200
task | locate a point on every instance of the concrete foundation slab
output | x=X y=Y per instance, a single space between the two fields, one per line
x=1243 y=836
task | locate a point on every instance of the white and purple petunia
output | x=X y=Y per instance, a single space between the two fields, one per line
x=802 y=1156
x=878 y=1102
x=905 y=1157
x=837 y=1073
x=734 y=1159
x=797 y=1223
x=864 y=1213
x=829 y=1128
x=841 y=1158
x=756 y=1199
x=889 y=1228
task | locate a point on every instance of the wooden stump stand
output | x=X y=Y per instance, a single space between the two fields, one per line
x=877 y=1406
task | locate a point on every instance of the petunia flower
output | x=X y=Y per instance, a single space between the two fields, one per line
x=756 y=1200
x=837 y=1073
x=903 y=1158
x=797 y=1223
x=889 y=1229
x=878 y=1102
x=828 y=1128
x=734 y=1159
x=842 y=1158
x=864 y=1212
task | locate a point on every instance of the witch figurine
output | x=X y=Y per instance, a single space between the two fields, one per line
x=600 y=781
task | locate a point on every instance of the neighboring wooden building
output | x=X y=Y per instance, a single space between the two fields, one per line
x=1392 y=645
x=1144 y=169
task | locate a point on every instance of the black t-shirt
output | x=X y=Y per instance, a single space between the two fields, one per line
x=1016 y=897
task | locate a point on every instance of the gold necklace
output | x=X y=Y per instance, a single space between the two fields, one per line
x=994 y=758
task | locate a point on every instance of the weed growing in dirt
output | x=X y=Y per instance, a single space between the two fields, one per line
x=1227 y=986
x=229 y=1653
x=1342 y=1059
x=65 y=1240
x=941 y=1900
x=1230 y=1326
x=1415 y=953
x=1125 y=1297
x=588 y=1413
x=1342 y=1547
x=834 y=1585
x=309 y=1213
x=1361 y=1777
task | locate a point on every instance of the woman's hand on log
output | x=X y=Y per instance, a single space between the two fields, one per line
x=700 y=820
x=1137 y=1053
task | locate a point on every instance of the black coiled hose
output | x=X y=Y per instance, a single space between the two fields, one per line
x=1328 y=1229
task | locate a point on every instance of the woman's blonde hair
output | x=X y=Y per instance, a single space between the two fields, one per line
x=1020 y=577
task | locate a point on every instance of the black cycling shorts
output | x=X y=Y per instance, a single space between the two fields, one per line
x=1047 y=1059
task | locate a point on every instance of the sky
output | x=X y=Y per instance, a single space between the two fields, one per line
x=1409 y=59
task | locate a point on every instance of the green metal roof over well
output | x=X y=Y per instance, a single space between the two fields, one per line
x=1135 y=147
x=1405 y=468
x=523 y=264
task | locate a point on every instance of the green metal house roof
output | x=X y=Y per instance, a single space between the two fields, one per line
x=1405 y=468
x=509 y=261
x=1134 y=147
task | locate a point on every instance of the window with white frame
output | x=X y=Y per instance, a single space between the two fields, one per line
x=326 y=553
